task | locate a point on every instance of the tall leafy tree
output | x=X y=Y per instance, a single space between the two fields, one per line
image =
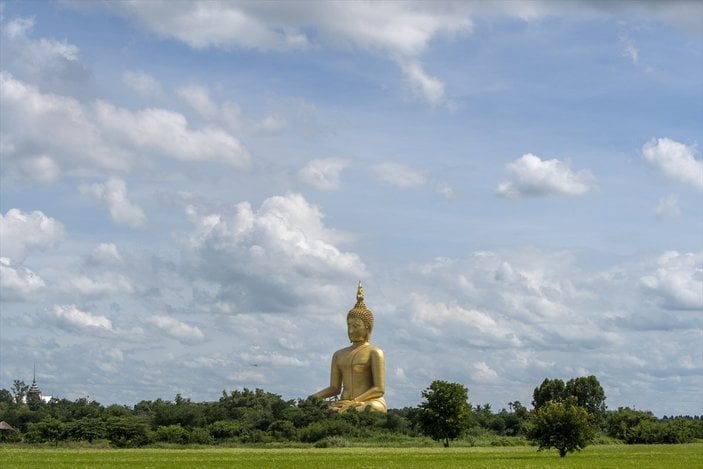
x=589 y=394
x=549 y=390
x=563 y=425
x=19 y=391
x=445 y=413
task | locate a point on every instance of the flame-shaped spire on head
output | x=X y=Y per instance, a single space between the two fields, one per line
x=360 y=310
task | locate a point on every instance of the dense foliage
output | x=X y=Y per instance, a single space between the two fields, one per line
x=563 y=425
x=246 y=417
x=445 y=414
x=586 y=390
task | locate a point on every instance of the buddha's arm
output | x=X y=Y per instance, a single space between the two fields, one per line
x=378 y=387
x=335 y=382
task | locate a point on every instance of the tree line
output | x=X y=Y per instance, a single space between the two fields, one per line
x=564 y=415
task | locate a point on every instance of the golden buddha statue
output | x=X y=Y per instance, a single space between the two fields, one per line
x=358 y=371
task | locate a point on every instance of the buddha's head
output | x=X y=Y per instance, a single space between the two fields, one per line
x=359 y=319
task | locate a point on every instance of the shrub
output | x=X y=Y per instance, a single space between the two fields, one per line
x=48 y=429
x=224 y=430
x=324 y=428
x=199 y=436
x=172 y=434
x=127 y=431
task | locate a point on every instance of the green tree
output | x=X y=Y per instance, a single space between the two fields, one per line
x=86 y=429
x=19 y=391
x=626 y=424
x=549 y=390
x=446 y=413
x=6 y=397
x=172 y=434
x=126 y=431
x=563 y=425
x=589 y=394
x=48 y=429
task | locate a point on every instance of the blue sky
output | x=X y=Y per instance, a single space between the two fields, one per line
x=190 y=193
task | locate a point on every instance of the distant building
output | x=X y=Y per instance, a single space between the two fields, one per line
x=34 y=393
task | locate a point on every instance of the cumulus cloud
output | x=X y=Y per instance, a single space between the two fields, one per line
x=451 y=320
x=677 y=281
x=399 y=175
x=177 y=329
x=166 y=133
x=141 y=82
x=114 y=195
x=530 y=176
x=22 y=232
x=45 y=134
x=675 y=160
x=272 y=258
x=71 y=318
x=18 y=283
x=50 y=132
x=323 y=174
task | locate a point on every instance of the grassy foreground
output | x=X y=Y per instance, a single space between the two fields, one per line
x=608 y=456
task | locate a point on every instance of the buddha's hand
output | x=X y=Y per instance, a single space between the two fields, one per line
x=341 y=406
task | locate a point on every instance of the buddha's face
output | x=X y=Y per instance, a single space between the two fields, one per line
x=356 y=330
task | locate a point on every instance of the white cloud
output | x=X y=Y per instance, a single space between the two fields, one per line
x=69 y=316
x=277 y=255
x=445 y=190
x=273 y=359
x=668 y=207
x=177 y=329
x=100 y=285
x=34 y=56
x=531 y=176
x=49 y=131
x=105 y=254
x=430 y=88
x=44 y=135
x=17 y=282
x=399 y=175
x=675 y=160
x=166 y=133
x=22 y=232
x=677 y=280
x=198 y=97
x=114 y=195
x=323 y=174
x=629 y=50
x=449 y=320
x=228 y=114
x=399 y=30
x=482 y=372
x=141 y=82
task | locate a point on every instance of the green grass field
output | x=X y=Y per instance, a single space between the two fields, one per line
x=608 y=456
